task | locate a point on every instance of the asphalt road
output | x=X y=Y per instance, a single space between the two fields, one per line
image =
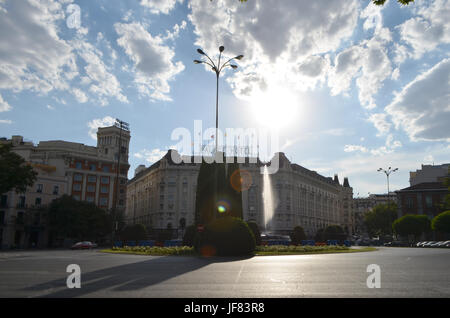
x=405 y=272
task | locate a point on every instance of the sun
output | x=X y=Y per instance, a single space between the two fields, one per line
x=276 y=108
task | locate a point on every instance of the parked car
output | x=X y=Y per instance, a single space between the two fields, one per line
x=421 y=244
x=447 y=244
x=83 y=245
x=397 y=244
x=440 y=244
x=428 y=244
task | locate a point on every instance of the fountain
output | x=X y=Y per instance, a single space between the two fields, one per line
x=268 y=200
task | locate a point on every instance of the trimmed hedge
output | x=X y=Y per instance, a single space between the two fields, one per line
x=255 y=230
x=225 y=236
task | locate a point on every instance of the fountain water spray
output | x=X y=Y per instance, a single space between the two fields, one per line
x=268 y=200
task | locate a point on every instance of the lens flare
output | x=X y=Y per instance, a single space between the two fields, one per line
x=223 y=206
x=241 y=180
x=208 y=251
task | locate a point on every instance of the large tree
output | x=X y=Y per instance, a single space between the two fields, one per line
x=134 y=232
x=80 y=220
x=218 y=198
x=411 y=224
x=298 y=235
x=379 y=220
x=15 y=173
x=441 y=222
x=334 y=232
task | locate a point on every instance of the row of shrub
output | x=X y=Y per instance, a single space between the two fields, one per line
x=227 y=236
x=299 y=248
x=156 y=250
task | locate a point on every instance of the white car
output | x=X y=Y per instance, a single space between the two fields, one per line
x=429 y=244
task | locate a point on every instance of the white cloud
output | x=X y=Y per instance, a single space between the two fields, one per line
x=361 y=167
x=50 y=107
x=5 y=121
x=103 y=82
x=429 y=29
x=4 y=106
x=150 y=156
x=80 y=96
x=153 y=61
x=380 y=122
x=172 y=35
x=368 y=62
x=160 y=6
x=33 y=56
x=276 y=37
x=373 y=17
x=353 y=148
x=100 y=122
x=422 y=108
x=389 y=147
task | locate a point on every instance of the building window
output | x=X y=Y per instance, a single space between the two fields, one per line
x=121 y=202
x=92 y=179
x=105 y=180
x=37 y=201
x=21 y=202
x=78 y=165
x=409 y=202
x=428 y=201
x=55 y=190
x=77 y=187
x=105 y=169
x=104 y=189
x=90 y=199
x=4 y=201
x=78 y=177
x=103 y=201
x=39 y=188
x=90 y=188
x=93 y=167
x=76 y=197
x=106 y=151
x=19 y=219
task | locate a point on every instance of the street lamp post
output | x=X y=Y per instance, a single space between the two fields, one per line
x=217 y=68
x=123 y=126
x=387 y=172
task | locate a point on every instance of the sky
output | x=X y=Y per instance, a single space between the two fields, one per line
x=348 y=86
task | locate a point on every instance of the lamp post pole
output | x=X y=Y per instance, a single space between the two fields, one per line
x=387 y=172
x=217 y=68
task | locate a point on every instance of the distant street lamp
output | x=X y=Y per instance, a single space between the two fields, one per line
x=217 y=69
x=387 y=172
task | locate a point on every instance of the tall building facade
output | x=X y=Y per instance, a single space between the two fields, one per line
x=85 y=172
x=429 y=173
x=163 y=196
x=363 y=205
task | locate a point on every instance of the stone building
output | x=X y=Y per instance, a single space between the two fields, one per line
x=84 y=172
x=163 y=196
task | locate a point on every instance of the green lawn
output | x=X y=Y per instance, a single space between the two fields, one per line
x=260 y=250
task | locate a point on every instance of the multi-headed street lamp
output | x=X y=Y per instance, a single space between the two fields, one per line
x=217 y=68
x=387 y=172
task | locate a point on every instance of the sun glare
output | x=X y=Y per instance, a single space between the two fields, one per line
x=276 y=108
